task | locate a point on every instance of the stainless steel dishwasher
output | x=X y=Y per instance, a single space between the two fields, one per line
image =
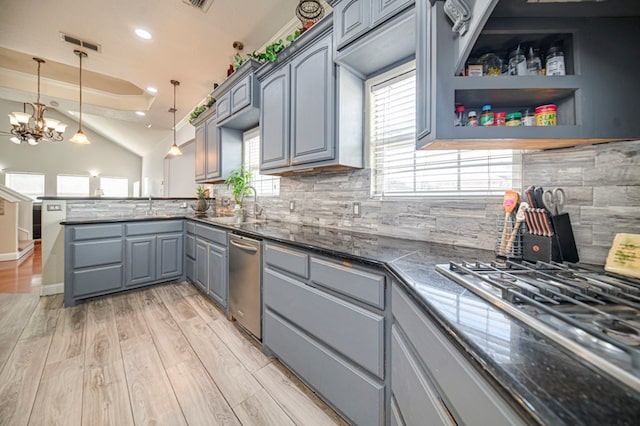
x=245 y=294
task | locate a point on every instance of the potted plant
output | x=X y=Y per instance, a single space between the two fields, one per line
x=201 y=205
x=238 y=181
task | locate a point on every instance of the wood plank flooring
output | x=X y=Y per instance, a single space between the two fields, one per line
x=164 y=355
x=24 y=275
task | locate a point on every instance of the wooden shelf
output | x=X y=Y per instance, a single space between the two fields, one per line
x=500 y=143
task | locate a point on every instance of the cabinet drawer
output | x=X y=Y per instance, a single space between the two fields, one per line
x=191 y=228
x=358 y=397
x=212 y=234
x=472 y=399
x=93 y=253
x=91 y=232
x=365 y=286
x=347 y=328
x=190 y=246
x=156 y=227
x=97 y=280
x=288 y=260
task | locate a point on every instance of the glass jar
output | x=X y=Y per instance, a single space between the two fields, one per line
x=500 y=118
x=517 y=62
x=555 y=61
x=528 y=118
x=487 y=116
x=491 y=64
x=472 y=119
x=534 y=64
x=514 y=119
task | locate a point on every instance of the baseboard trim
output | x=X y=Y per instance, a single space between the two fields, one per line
x=17 y=255
x=51 y=289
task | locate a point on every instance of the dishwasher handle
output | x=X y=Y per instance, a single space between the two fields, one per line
x=246 y=247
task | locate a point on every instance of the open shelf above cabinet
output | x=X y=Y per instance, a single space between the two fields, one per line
x=596 y=99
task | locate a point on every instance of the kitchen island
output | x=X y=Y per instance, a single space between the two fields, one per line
x=536 y=379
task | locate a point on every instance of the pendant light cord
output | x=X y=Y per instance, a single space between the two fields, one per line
x=80 y=121
x=174 y=113
x=39 y=63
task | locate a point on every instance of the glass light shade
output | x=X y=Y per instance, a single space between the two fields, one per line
x=22 y=117
x=32 y=141
x=51 y=123
x=61 y=127
x=80 y=138
x=175 y=150
x=13 y=120
x=15 y=140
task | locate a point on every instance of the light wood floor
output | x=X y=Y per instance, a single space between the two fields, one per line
x=163 y=355
x=24 y=275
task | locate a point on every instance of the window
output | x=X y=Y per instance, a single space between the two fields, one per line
x=30 y=184
x=400 y=170
x=264 y=185
x=114 y=187
x=73 y=186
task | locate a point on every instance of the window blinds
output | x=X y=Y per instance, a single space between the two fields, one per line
x=264 y=185
x=400 y=170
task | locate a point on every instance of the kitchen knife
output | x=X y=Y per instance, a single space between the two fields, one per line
x=548 y=223
x=543 y=217
x=538 y=195
x=530 y=197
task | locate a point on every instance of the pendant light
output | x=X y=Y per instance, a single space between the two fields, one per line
x=80 y=138
x=175 y=149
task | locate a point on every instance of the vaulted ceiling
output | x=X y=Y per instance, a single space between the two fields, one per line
x=188 y=45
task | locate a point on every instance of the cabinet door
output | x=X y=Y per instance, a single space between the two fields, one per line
x=480 y=11
x=218 y=274
x=202 y=265
x=312 y=97
x=223 y=106
x=424 y=61
x=169 y=256
x=351 y=18
x=241 y=94
x=201 y=153
x=141 y=260
x=384 y=9
x=274 y=120
x=213 y=149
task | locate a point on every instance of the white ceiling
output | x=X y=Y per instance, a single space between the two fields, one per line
x=188 y=45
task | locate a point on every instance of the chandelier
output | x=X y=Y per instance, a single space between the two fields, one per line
x=32 y=128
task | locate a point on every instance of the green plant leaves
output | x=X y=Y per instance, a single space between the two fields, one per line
x=238 y=181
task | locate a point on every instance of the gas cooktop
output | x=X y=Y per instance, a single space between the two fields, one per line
x=593 y=315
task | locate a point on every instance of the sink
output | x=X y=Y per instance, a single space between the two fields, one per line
x=231 y=220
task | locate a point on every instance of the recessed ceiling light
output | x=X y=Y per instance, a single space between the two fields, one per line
x=143 y=34
x=152 y=89
x=140 y=113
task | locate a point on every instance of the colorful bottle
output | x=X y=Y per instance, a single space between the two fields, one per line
x=487 y=116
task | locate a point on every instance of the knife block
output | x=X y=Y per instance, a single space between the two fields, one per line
x=558 y=248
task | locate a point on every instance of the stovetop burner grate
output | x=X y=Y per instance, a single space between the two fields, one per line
x=576 y=307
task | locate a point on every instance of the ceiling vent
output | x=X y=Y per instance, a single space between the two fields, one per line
x=203 y=5
x=77 y=41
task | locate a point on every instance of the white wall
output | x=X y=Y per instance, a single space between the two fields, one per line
x=153 y=162
x=104 y=156
x=179 y=177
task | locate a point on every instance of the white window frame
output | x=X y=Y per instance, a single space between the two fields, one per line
x=87 y=194
x=114 y=178
x=456 y=194
x=32 y=195
x=266 y=185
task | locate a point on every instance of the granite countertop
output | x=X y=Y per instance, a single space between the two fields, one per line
x=541 y=380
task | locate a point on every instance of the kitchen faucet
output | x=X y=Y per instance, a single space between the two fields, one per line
x=256 y=212
x=150 y=210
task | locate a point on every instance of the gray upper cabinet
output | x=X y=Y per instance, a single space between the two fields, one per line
x=384 y=9
x=241 y=93
x=592 y=99
x=351 y=18
x=274 y=119
x=201 y=153
x=213 y=149
x=303 y=96
x=223 y=106
x=312 y=100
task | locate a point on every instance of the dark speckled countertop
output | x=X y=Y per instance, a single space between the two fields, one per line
x=541 y=380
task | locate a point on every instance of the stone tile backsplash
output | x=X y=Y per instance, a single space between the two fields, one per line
x=81 y=209
x=602 y=184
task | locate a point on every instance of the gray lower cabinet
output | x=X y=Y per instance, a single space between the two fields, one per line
x=107 y=258
x=210 y=262
x=431 y=381
x=190 y=252
x=328 y=337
